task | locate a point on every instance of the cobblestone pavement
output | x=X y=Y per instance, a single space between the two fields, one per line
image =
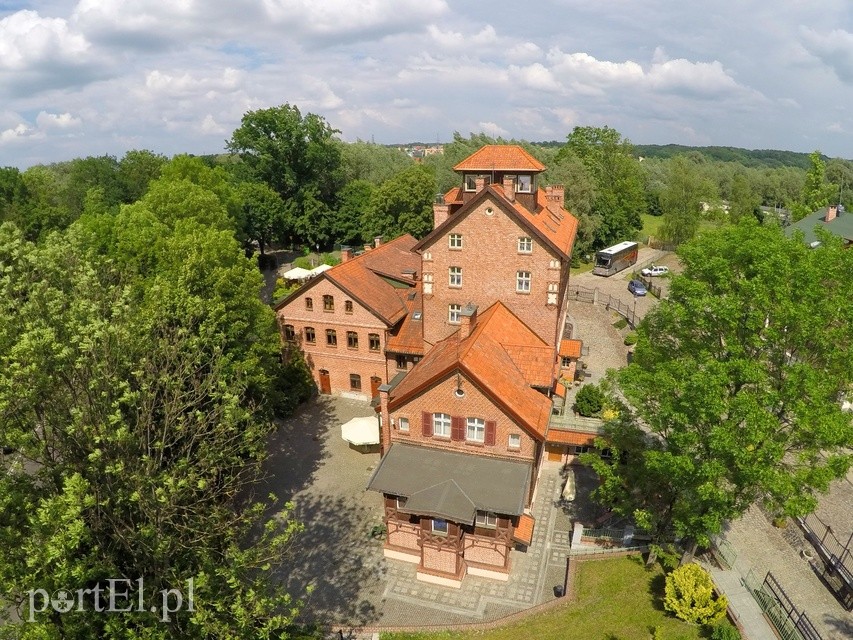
x=761 y=547
x=353 y=584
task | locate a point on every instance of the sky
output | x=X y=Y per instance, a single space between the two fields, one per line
x=97 y=77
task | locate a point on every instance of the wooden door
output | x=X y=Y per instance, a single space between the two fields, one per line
x=375 y=383
x=555 y=452
x=325 y=382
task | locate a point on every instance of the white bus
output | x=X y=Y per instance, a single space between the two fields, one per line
x=614 y=259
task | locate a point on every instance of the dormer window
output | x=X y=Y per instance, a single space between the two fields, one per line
x=471 y=181
x=524 y=184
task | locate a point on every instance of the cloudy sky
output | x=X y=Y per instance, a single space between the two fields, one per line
x=97 y=77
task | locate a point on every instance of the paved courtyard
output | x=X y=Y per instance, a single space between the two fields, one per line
x=353 y=584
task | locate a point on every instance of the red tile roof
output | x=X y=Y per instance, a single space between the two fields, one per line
x=500 y=157
x=503 y=356
x=523 y=533
x=571 y=348
x=570 y=437
x=408 y=337
x=362 y=278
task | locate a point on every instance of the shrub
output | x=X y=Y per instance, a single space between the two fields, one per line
x=589 y=401
x=621 y=323
x=725 y=630
x=329 y=259
x=689 y=594
x=303 y=263
x=630 y=339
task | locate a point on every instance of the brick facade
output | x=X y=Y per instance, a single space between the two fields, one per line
x=442 y=398
x=490 y=261
x=341 y=361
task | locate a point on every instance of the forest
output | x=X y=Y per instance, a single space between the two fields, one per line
x=291 y=181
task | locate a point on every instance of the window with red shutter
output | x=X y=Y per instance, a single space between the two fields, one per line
x=491 y=428
x=427 y=424
x=457 y=428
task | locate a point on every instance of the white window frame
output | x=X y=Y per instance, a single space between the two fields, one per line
x=454 y=277
x=401 y=505
x=403 y=424
x=524 y=184
x=514 y=441
x=454 y=313
x=441 y=529
x=554 y=264
x=486 y=519
x=427 y=255
x=454 y=241
x=475 y=430
x=522 y=281
x=525 y=244
x=441 y=425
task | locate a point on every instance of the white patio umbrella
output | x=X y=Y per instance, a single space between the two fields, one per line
x=297 y=273
x=316 y=271
x=360 y=432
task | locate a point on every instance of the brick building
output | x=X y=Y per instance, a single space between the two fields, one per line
x=358 y=323
x=459 y=338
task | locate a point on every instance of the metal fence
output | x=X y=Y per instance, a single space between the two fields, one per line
x=607 y=533
x=723 y=552
x=594 y=296
x=837 y=557
x=789 y=622
x=649 y=284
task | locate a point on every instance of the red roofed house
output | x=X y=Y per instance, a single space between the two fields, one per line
x=459 y=334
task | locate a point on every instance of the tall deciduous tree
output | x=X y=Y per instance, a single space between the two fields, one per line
x=736 y=384
x=682 y=199
x=817 y=192
x=619 y=196
x=401 y=205
x=138 y=394
x=299 y=157
x=263 y=216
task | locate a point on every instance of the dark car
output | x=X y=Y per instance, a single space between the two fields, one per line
x=637 y=288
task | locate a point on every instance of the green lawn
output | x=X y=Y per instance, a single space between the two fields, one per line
x=651 y=227
x=617 y=600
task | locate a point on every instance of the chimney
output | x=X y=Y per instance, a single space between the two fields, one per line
x=367 y=247
x=555 y=194
x=346 y=254
x=440 y=210
x=377 y=241
x=469 y=320
x=831 y=213
x=411 y=274
x=385 y=429
x=509 y=188
x=479 y=183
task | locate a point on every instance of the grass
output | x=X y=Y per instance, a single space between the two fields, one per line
x=583 y=268
x=617 y=599
x=651 y=226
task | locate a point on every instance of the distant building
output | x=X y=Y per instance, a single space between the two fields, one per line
x=833 y=219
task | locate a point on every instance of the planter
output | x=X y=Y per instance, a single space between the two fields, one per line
x=807 y=554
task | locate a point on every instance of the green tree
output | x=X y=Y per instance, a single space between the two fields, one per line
x=263 y=214
x=401 y=205
x=744 y=200
x=619 y=196
x=689 y=594
x=817 y=192
x=681 y=200
x=589 y=401
x=300 y=158
x=735 y=385
x=353 y=207
x=373 y=163
x=142 y=423
x=136 y=170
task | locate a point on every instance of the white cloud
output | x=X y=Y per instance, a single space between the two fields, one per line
x=27 y=38
x=834 y=49
x=187 y=84
x=209 y=126
x=492 y=129
x=18 y=133
x=46 y=121
x=523 y=53
x=534 y=76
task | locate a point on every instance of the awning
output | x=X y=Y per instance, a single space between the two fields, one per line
x=452 y=485
x=361 y=431
x=316 y=271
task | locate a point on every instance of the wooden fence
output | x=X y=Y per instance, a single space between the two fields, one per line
x=594 y=296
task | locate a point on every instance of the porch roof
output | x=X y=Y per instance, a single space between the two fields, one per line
x=450 y=484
